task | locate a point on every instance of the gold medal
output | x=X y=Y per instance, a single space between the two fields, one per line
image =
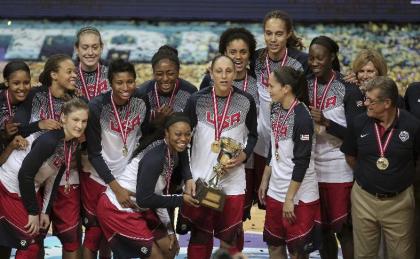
x=319 y=129
x=215 y=146
x=277 y=155
x=125 y=151
x=382 y=163
x=67 y=188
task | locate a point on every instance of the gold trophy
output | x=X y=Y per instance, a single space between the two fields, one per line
x=210 y=193
x=319 y=129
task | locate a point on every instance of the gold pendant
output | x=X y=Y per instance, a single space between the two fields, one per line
x=67 y=188
x=277 y=155
x=382 y=163
x=215 y=146
x=125 y=151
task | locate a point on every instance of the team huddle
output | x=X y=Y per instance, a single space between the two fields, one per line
x=327 y=156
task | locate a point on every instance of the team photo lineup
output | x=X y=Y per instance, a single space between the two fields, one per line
x=114 y=169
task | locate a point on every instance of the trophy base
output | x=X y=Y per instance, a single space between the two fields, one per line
x=208 y=196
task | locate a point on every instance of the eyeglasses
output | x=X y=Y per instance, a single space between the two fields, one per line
x=369 y=101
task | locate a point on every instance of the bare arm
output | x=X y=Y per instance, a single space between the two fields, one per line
x=351 y=160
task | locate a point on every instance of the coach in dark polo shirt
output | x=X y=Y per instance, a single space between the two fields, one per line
x=382 y=147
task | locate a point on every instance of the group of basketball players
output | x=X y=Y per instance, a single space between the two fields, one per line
x=89 y=147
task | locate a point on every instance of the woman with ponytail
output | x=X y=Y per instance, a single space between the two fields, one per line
x=283 y=48
x=289 y=186
x=40 y=112
x=334 y=103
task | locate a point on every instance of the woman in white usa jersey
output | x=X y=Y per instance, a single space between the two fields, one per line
x=289 y=188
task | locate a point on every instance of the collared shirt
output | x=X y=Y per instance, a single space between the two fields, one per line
x=402 y=151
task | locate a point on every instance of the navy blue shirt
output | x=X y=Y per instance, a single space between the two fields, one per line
x=151 y=167
x=4 y=117
x=402 y=151
x=48 y=148
x=185 y=90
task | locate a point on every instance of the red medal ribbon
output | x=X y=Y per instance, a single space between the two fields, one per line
x=219 y=128
x=9 y=104
x=324 y=93
x=245 y=85
x=67 y=157
x=169 y=171
x=267 y=64
x=123 y=132
x=51 y=105
x=382 y=147
x=96 y=92
x=172 y=99
x=278 y=126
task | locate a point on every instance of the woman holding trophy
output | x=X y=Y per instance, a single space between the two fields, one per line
x=289 y=188
x=229 y=116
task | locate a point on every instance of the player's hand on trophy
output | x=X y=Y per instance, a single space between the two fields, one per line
x=235 y=161
x=188 y=199
x=190 y=187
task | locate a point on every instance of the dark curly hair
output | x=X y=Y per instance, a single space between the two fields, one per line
x=232 y=34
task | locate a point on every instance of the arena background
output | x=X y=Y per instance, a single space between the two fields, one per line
x=34 y=30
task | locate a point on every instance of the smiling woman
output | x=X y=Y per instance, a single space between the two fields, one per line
x=123 y=81
x=167 y=93
x=92 y=76
x=118 y=118
x=46 y=162
x=17 y=84
x=134 y=232
x=367 y=65
x=41 y=110
x=334 y=103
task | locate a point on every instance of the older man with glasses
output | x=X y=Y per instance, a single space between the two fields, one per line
x=382 y=146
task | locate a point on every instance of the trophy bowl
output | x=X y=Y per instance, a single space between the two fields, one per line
x=209 y=194
x=230 y=148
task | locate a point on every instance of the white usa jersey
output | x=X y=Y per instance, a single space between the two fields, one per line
x=295 y=160
x=240 y=124
x=296 y=60
x=103 y=135
x=342 y=103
